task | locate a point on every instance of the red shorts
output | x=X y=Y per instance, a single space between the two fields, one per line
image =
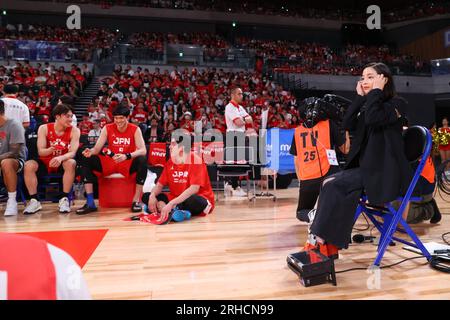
x=109 y=166
x=45 y=169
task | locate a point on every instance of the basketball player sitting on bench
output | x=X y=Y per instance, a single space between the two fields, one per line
x=57 y=144
x=125 y=155
x=187 y=177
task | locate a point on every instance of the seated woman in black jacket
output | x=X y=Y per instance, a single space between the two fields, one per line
x=376 y=163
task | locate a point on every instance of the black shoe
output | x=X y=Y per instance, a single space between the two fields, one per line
x=86 y=209
x=437 y=214
x=136 y=207
x=302 y=215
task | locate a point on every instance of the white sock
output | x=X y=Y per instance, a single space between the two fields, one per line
x=12 y=195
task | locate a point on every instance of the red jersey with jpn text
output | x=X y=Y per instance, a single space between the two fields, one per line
x=179 y=177
x=60 y=143
x=121 y=142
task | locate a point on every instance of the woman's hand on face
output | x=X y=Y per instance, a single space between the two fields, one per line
x=379 y=82
x=359 y=88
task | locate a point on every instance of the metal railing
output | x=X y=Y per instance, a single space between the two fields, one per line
x=49 y=51
x=348 y=66
x=440 y=67
x=188 y=54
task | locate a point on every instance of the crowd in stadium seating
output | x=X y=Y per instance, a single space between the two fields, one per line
x=212 y=44
x=86 y=40
x=41 y=86
x=299 y=9
x=317 y=58
x=162 y=101
x=301 y=57
x=289 y=56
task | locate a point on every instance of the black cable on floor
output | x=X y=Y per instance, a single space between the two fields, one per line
x=383 y=267
x=367 y=221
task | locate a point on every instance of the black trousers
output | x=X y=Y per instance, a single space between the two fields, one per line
x=309 y=192
x=93 y=163
x=337 y=205
x=195 y=204
x=307 y=197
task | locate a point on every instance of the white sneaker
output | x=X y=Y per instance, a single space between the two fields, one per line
x=228 y=189
x=64 y=205
x=11 y=208
x=239 y=192
x=32 y=207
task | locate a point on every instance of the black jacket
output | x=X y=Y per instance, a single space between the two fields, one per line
x=377 y=146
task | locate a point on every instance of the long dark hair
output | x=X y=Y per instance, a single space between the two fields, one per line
x=389 y=88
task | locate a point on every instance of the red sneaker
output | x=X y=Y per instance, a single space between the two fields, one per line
x=329 y=250
x=308 y=247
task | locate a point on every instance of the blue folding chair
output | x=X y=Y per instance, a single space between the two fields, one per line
x=418 y=143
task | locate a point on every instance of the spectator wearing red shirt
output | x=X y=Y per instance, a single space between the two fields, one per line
x=52 y=81
x=112 y=105
x=29 y=80
x=44 y=92
x=139 y=116
x=85 y=125
x=274 y=121
x=155 y=113
x=190 y=189
x=103 y=121
x=136 y=82
x=186 y=122
x=43 y=106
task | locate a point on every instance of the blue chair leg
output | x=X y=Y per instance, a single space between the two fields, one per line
x=389 y=232
x=416 y=239
x=387 y=220
x=357 y=213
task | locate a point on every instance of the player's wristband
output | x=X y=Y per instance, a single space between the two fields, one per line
x=128 y=156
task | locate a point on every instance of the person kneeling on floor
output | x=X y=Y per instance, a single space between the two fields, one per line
x=190 y=189
x=426 y=208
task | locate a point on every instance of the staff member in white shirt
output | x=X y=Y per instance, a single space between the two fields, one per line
x=237 y=121
x=14 y=108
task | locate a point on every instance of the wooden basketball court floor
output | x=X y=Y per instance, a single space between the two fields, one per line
x=238 y=252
